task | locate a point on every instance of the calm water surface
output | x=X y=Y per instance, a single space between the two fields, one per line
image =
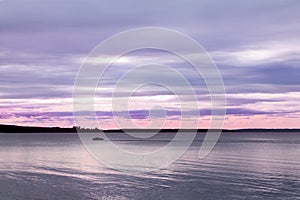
x=241 y=166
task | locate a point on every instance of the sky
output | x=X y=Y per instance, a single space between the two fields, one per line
x=255 y=45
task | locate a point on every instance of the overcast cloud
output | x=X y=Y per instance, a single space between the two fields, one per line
x=255 y=45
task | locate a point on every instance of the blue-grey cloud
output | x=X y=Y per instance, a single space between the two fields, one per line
x=254 y=43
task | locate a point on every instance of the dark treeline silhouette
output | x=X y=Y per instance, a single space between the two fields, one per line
x=33 y=129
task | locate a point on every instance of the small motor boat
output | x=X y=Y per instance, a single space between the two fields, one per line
x=97 y=138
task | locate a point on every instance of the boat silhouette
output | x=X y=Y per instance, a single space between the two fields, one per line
x=97 y=139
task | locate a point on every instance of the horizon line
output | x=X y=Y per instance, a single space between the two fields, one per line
x=75 y=128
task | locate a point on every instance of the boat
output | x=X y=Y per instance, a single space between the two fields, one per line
x=97 y=138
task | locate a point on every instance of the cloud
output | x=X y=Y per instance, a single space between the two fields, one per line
x=259 y=53
x=255 y=45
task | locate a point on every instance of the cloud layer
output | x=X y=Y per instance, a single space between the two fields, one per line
x=255 y=45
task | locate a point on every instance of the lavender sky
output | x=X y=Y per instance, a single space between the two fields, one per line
x=255 y=45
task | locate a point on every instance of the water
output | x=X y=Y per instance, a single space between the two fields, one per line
x=241 y=166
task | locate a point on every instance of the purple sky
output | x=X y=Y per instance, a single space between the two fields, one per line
x=255 y=45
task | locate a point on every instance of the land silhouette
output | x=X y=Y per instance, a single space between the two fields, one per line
x=36 y=129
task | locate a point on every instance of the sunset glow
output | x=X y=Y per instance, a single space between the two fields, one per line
x=256 y=49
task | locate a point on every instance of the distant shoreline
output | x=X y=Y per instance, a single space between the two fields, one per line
x=34 y=129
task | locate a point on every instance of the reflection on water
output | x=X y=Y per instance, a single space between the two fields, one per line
x=245 y=165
